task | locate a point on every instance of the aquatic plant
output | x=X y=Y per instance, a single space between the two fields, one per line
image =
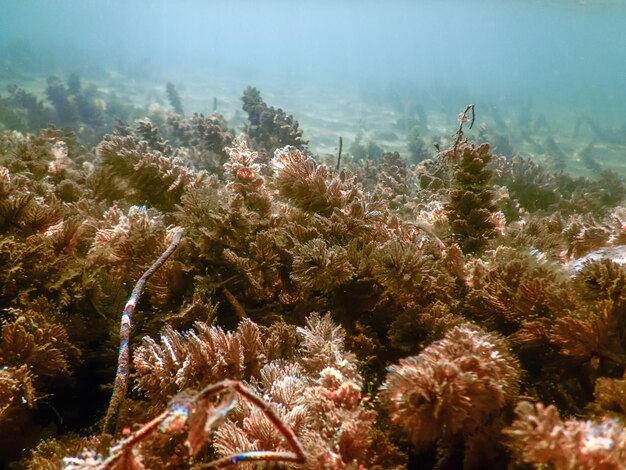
x=554 y=152
x=471 y=208
x=541 y=437
x=452 y=390
x=269 y=128
x=37 y=358
x=537 y=190
x=612 y=135
x=392 y=177
x=369 y=151
x=147 y=131
x=23 y=111
x=428 y=289
x=307 y=184
x=59 y=95
x=174 y=98
x=311 y=399
x=76 y=105
x=137 y=169
x=199 y=140
x=416 y=146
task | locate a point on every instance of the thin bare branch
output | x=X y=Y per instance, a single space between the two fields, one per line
x=121 y=376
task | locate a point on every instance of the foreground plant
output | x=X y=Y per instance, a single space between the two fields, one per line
x=312 y=411
x=196 y=415
x=452 y=391
x=539 y=436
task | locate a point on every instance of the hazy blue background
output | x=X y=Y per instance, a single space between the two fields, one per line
x=564 y=55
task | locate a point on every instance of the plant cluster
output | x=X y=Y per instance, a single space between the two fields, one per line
x=448 y=291
x=453 y=393
x=365 y=151
x=200 y=140
x=269 y=128
x=471 y=206
x=537 y=190
x=174 y=98
x=22 y=111
x=417 y=148
x=541 y=437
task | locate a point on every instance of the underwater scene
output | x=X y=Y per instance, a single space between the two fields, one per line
x=312 y=234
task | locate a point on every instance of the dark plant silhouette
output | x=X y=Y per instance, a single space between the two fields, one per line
x=269 y=127
x=174 y=98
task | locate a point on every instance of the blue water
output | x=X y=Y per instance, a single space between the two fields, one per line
x=567 y=58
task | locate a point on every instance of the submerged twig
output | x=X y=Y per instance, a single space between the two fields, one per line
x=611 y=136
x=121 y=376
x=463 y=118
x=431 y=233
x=587 y=156
x=339 y=155
x=234 y=303
x=178 y=416
x=296 y=455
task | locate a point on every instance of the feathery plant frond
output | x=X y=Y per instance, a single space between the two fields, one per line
x=309 y=185
x=453 y=386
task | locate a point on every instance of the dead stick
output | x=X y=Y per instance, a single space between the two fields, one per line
x=121 y=376
x=463 y=118
x=234 y=303
x=296 y=455
x=339 y=156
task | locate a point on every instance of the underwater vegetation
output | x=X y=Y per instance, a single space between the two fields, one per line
x=460 y=308
x=89 y=112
